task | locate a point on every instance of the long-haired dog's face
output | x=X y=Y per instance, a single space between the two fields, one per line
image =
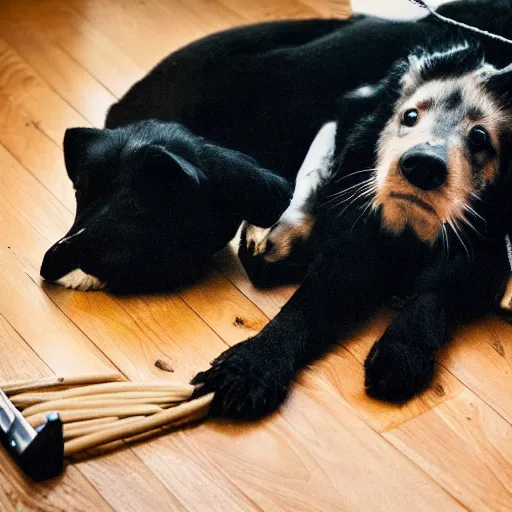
x=442 y=146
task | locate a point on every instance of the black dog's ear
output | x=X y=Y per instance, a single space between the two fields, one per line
x=160 y=166
x=76 y=143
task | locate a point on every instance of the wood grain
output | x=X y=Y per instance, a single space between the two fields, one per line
x=54 y=64
x=466 y=447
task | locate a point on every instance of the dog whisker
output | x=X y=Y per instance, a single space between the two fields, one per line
x=445 y=239
x=347 y=190
x=456 y=229
x=366 y=209
x=467 y=222
x=352 y=192
x=473 y=212
x=358 y=195
x=352 y=174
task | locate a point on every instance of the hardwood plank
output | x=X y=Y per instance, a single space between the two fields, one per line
x=270 y=301
x=338 y=8
x=465 y=446
x=72 y=492
x=330 y=8
x=128 y=23
x=25 y=89
x=135 y=332
x=481 y=357
x=128 y=484
x=266 y=10
x=65 y=28
x=34 y=118
x=224 y=308
x=320 y=7
x=344 y=375
x=55 y=65
x=34 y=150
x=207 y=16
x=317 y=456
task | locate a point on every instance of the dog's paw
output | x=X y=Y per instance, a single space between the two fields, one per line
x=255 y=245
x=248 y=383
x=396 y=371
x=254 y=239
x=292 y=229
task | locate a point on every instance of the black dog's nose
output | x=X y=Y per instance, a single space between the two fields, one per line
x=424 y=166
x=62 y=257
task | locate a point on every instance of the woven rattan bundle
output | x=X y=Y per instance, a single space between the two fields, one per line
x=99 y=409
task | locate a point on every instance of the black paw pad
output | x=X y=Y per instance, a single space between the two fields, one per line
x=396 y=372
x=247 y=384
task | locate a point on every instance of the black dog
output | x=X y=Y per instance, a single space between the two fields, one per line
x=434 y=150
x=264 y=90
x=151 y=193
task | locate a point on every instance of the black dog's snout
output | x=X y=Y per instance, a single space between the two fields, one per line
x=61 y=258
x=425 y=166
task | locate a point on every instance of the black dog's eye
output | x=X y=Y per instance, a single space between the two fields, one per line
x=410 y=117
x=479 y=138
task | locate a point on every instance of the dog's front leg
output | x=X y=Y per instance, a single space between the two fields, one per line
x=252 y=378
x=402 y=363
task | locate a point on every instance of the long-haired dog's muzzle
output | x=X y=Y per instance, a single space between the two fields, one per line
x=424 y=166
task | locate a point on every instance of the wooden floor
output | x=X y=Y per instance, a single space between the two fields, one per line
x=62 y=63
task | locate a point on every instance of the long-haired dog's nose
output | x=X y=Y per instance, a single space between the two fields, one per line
x=425 y=166
x=62 y=257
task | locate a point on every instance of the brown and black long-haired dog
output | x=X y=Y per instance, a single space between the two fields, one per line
x=412 y=200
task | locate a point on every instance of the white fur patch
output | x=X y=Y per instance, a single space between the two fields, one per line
x=297 y=221
x=79 y=280
x=366 y=91
x=257 y=237
x=314 y=169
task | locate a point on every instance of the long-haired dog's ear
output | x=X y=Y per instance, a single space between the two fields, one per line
x=499 y=83
x=76 y=143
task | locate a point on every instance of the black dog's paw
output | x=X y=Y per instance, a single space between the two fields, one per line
x=248 y=382
x=395 y=371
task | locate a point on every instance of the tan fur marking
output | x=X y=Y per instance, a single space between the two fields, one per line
x=426 y=104
x=506 y=301
x=489 y=172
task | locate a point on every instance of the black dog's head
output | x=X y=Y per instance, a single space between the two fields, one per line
x=150 y=213
x=446 y=142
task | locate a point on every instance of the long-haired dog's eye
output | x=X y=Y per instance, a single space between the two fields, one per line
x=410 y=117
x=479 y=138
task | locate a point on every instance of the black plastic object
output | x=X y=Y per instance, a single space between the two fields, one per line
x=39 y=452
